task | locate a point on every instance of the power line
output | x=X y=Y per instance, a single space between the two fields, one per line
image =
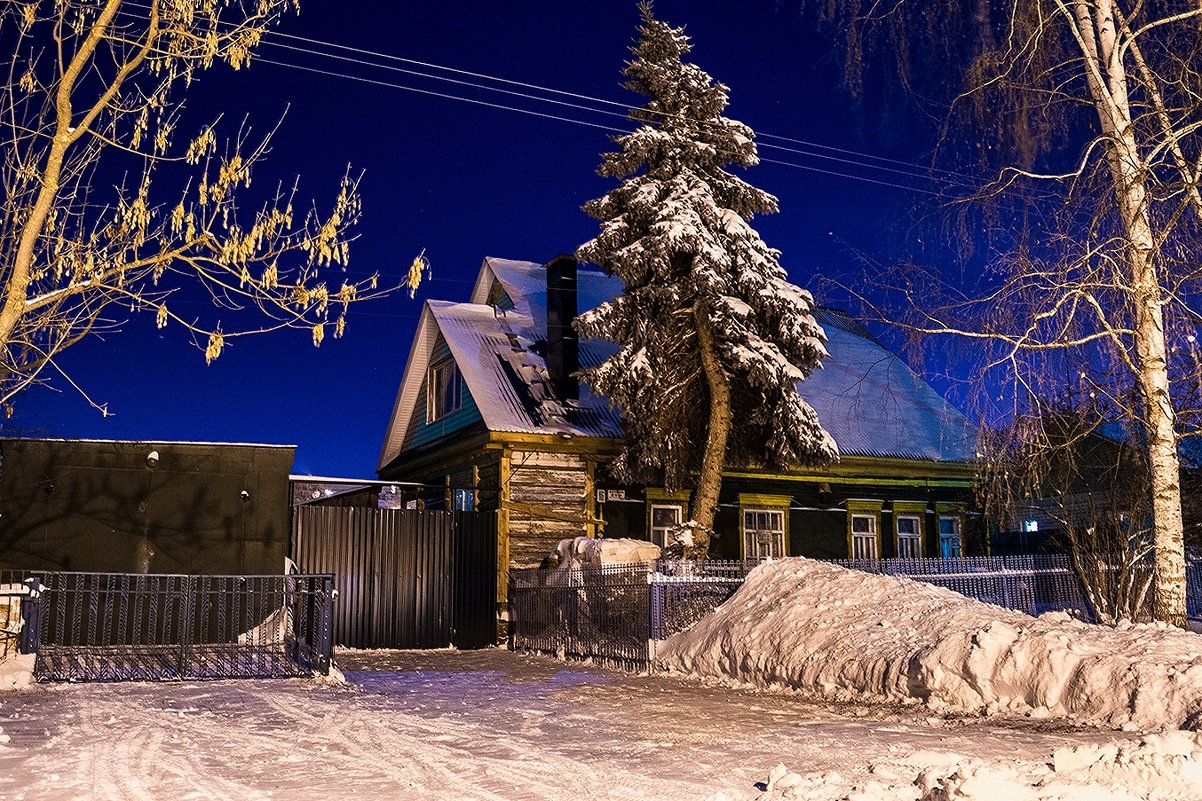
x=910 y=170
x=573 y=120
x=625 y=107
x=444 y=95
x=909 y=173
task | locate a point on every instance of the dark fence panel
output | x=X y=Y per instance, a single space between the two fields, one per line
x=1193 y=588
x=1031 y=583
x=153 y=627
x=406 y=578
x=601 y=613
x=617 y=613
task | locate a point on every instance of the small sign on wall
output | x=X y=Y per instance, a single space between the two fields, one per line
x=611 y=495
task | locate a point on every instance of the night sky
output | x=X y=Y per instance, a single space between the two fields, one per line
x=463 y=181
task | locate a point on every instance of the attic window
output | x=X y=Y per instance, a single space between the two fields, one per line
x=498 y=298
x=444 y=390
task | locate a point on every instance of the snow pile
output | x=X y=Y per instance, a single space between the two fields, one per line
x=817 y=627
x=581 y=552
x=1161 y=767
x=16 y=671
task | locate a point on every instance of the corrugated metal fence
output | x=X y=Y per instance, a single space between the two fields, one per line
x=405 y=578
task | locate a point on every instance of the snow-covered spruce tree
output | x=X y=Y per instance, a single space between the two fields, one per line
x=713 y=338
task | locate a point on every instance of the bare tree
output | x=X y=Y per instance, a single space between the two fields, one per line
x=1072 y=469
x=1084 y=115
x=109 y=209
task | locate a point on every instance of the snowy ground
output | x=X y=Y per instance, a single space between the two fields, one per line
x=496 y=725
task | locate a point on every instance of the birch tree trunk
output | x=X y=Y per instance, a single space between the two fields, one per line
x=709 y=482
x=1108 y=82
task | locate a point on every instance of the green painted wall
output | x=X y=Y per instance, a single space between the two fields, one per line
x=423 y=433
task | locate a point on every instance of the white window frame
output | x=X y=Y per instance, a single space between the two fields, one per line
x=909 y=544
x=861 y=539
x=659 y=534
x=435 y=392
x=950 y=545
x=764 y=542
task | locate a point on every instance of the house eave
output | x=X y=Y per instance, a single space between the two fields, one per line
x=885 y=471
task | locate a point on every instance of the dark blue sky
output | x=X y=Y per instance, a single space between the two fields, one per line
x=462 y=181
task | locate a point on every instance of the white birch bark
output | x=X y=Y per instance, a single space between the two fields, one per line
x=1098 y=38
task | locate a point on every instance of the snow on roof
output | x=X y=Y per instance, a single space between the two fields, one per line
x=506 y=376
x=865 y=396
x=875 y=405
x=526 y=284
x=140 y=442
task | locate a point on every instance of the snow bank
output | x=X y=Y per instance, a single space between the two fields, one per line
x=1158 y=768
x=580 y=552
x=817 y=627
x=16 y=671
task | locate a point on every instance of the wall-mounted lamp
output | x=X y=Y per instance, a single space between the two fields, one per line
x=152 y=459
x=244 y=495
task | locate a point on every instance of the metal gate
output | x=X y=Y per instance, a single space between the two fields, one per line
x=406 y=578
x=157 y=627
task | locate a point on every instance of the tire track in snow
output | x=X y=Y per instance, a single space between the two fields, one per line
x=452 y=755
x=364 y=740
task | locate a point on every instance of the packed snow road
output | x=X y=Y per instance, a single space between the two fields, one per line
x=473 y=725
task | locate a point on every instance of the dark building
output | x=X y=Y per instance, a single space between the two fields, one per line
x=144 y=507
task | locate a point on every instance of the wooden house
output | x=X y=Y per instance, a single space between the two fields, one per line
x=489 y=413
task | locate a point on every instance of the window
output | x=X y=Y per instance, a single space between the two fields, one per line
x=665 y=511
x=863 y=537
x=444 y=390
x=763 y=533
x=863 y=528
x=949 y=536
x=764 y=525
x=1030 y=526
x=664 y=518
x=463 y=500
x=909 y=537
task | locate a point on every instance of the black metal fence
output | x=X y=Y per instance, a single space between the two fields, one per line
x=596 y=613
x=405 y=578
x=153 y=627
x=1031 y=583
x=1193 y=587
x=617 y=613
x=614 y=614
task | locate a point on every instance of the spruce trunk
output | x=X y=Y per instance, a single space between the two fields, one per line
x=709 y=482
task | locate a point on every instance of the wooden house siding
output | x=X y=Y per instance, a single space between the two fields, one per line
x=547 y=501
x=422 y=432
x=488 y=495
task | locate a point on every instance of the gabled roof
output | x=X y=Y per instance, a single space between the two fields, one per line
x=873 y=404
x=869 y=400
x=500 y=354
